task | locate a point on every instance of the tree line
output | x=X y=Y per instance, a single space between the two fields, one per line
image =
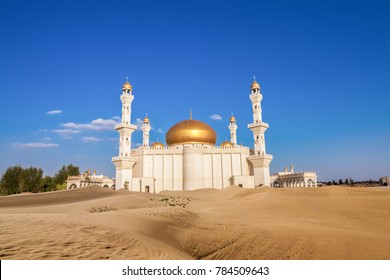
x=17 y=179
x=350 y=181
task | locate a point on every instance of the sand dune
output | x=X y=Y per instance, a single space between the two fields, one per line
x=234 y=223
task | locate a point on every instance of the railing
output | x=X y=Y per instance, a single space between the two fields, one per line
x=258 y=123
x=125 y=125
x=204 y=147
x=123 y=158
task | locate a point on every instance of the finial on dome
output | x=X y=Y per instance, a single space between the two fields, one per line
x=146 y=119
x=232 y=118
x=255 y=84
x=190 y=114
x=127 y=85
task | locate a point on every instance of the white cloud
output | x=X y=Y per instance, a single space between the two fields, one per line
x=35 y=145
x=46 y=139
x=136 y=145
x=54 y=112
x=159 y=130
x=66 y=133
x=89 y=139
x=216 y=117
x=117 y=119
x=139 y=124
x=98 y=124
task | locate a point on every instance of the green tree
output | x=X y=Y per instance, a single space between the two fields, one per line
x=10 y=180
x=60 y=187
x=347 y=181
x=340 y=181
x=17 y=180
x=47 y=184
x=62 y=174
x=31 y=180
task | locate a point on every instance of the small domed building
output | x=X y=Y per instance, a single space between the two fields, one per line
x=191 y=158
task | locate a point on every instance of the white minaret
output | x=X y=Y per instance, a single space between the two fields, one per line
x=145 y=129
x=260 y=160
x=124 y=162
x=233 y=128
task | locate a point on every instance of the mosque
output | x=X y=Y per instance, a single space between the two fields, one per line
x=191 y=159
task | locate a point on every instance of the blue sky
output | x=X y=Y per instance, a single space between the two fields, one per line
x=323 y=67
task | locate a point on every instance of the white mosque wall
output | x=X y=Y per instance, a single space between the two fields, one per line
x=168 y=172
x=237 y=168
x=217 y=168
x=158 y=171
x=193 y=167
x=178 y=172
x=246 y=167
x=208 y=171
x=244 y=181
x=190 y=167
x=226 y=169
x=138 y=167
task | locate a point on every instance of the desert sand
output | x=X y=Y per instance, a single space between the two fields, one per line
x=233 y=223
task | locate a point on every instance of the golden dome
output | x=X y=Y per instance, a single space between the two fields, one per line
x=232 y=119
x=127 y=85
x=146 y=119
x=255 y=85
x=158 y=145
x=191 y=132
x=226 y=144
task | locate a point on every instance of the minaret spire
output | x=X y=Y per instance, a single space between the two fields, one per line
x=233 y=130
x=260 y=160
x=124 y=162
x=145 y=129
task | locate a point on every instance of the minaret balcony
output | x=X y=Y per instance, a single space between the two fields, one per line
x=125 y=126
x=261 y=155
x=123 y=158
x=257 y=124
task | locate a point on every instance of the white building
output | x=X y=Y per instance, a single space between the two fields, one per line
x=86 y=180
x=292 y=179
x=191 y=159
x=384 y=181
